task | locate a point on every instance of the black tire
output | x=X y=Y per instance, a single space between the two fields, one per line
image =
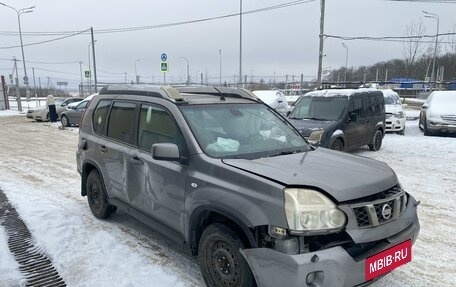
x=64 y=120
x=420 y=124
x=337 y=144
x=376 y=142
x=47 y=117
x=219 y=258
x=401 y=132
x=96 y=196
x=427 y=132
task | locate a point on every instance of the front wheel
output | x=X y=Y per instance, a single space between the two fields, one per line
x=219 y=258
x=337 y=145
x=376 y=142
x=401 y=132
x=64 y=120
x=96 y=196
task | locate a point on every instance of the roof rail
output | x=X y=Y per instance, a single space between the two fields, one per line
x=222 y=92
x=165 y=92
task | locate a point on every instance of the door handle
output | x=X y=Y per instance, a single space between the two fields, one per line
x=136 y=160
x=102 y=148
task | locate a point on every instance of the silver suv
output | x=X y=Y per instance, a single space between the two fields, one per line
x=230 y=180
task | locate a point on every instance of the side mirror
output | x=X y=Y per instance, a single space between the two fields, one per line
x=165 y=151
x=352 y=117
x=424 y=106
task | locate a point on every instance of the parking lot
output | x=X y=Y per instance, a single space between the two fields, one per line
x=38 y=175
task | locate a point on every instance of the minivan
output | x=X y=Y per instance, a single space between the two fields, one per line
x=341 y=119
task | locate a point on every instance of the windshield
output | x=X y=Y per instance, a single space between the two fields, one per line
x=319 y=108
x=392 y=99
x=242 y=131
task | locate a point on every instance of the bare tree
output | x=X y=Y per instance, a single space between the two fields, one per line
x=451 y=44
x=414 y=46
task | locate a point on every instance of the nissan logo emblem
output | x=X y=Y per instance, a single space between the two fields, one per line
x=386 y=211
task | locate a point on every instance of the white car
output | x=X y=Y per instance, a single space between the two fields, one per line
x=275 y=99
x=394 y=113
x=438 y=113
x=42 y=113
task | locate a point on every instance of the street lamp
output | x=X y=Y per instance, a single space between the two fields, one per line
x=436 y=17
x=220 y=74
x=346 y=61
x=19 y=12
x=240 y=42
x=136 y=72
x=188 y=70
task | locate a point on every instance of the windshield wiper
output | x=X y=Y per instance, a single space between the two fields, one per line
x=287 y=152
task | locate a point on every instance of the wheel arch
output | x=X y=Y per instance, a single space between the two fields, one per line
x=204 y=216
x=87 y=167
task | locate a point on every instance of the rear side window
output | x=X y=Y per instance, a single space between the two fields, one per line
x=99 y=116
x=121 y=119
x=157 y=126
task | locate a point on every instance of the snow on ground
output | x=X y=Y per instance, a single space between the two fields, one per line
x=38 y=174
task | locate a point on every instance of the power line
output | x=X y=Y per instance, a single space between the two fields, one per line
x=392 y=38
x=46 y=41
x=138 y=28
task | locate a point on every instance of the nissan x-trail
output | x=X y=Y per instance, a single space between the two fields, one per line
x=234 y=184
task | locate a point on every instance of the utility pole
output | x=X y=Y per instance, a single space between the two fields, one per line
x=94 y=62
x=320 y=51
x=220 y=74
x=34 y=87
x=81 y=91
x=18 y=92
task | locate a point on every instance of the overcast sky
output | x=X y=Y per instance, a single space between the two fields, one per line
x=275 y=42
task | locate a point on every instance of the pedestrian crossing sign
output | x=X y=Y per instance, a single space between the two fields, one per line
x=164 y=67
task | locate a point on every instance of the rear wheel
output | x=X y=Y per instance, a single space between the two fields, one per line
x=376 y=142
x=337 y=145
x=219 y=258
x=96 y=196
x=64 y=120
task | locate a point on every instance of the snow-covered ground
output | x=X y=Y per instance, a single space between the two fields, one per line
x=38 y=175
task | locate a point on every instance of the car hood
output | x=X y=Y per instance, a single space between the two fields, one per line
x=393 y=109
x=305 y=126
x=343 y=176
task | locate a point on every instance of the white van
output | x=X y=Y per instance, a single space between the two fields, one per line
x=394 y=113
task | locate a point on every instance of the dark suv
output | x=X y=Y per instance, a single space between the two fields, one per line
x=342 y=119
x=232 y=182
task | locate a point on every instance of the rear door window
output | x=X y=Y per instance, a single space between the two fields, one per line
x=99 y=116
x=121 y=121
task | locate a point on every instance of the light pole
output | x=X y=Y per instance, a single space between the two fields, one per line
x=346 y=62
x=220 y=74
x=188 y=70
x=196 y=77
x=436 y=17
x=19 y=12
x=90 y=70
x=136 y=72
x=240 y=42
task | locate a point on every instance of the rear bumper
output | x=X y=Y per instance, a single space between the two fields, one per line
x=331 y=267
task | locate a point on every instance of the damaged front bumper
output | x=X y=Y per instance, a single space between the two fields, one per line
x=330 y=267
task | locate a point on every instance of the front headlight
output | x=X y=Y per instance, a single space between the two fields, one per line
x=315 y=136
x=399 y=114
x=309 y=211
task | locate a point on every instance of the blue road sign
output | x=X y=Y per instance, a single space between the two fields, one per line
x=163 y=57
